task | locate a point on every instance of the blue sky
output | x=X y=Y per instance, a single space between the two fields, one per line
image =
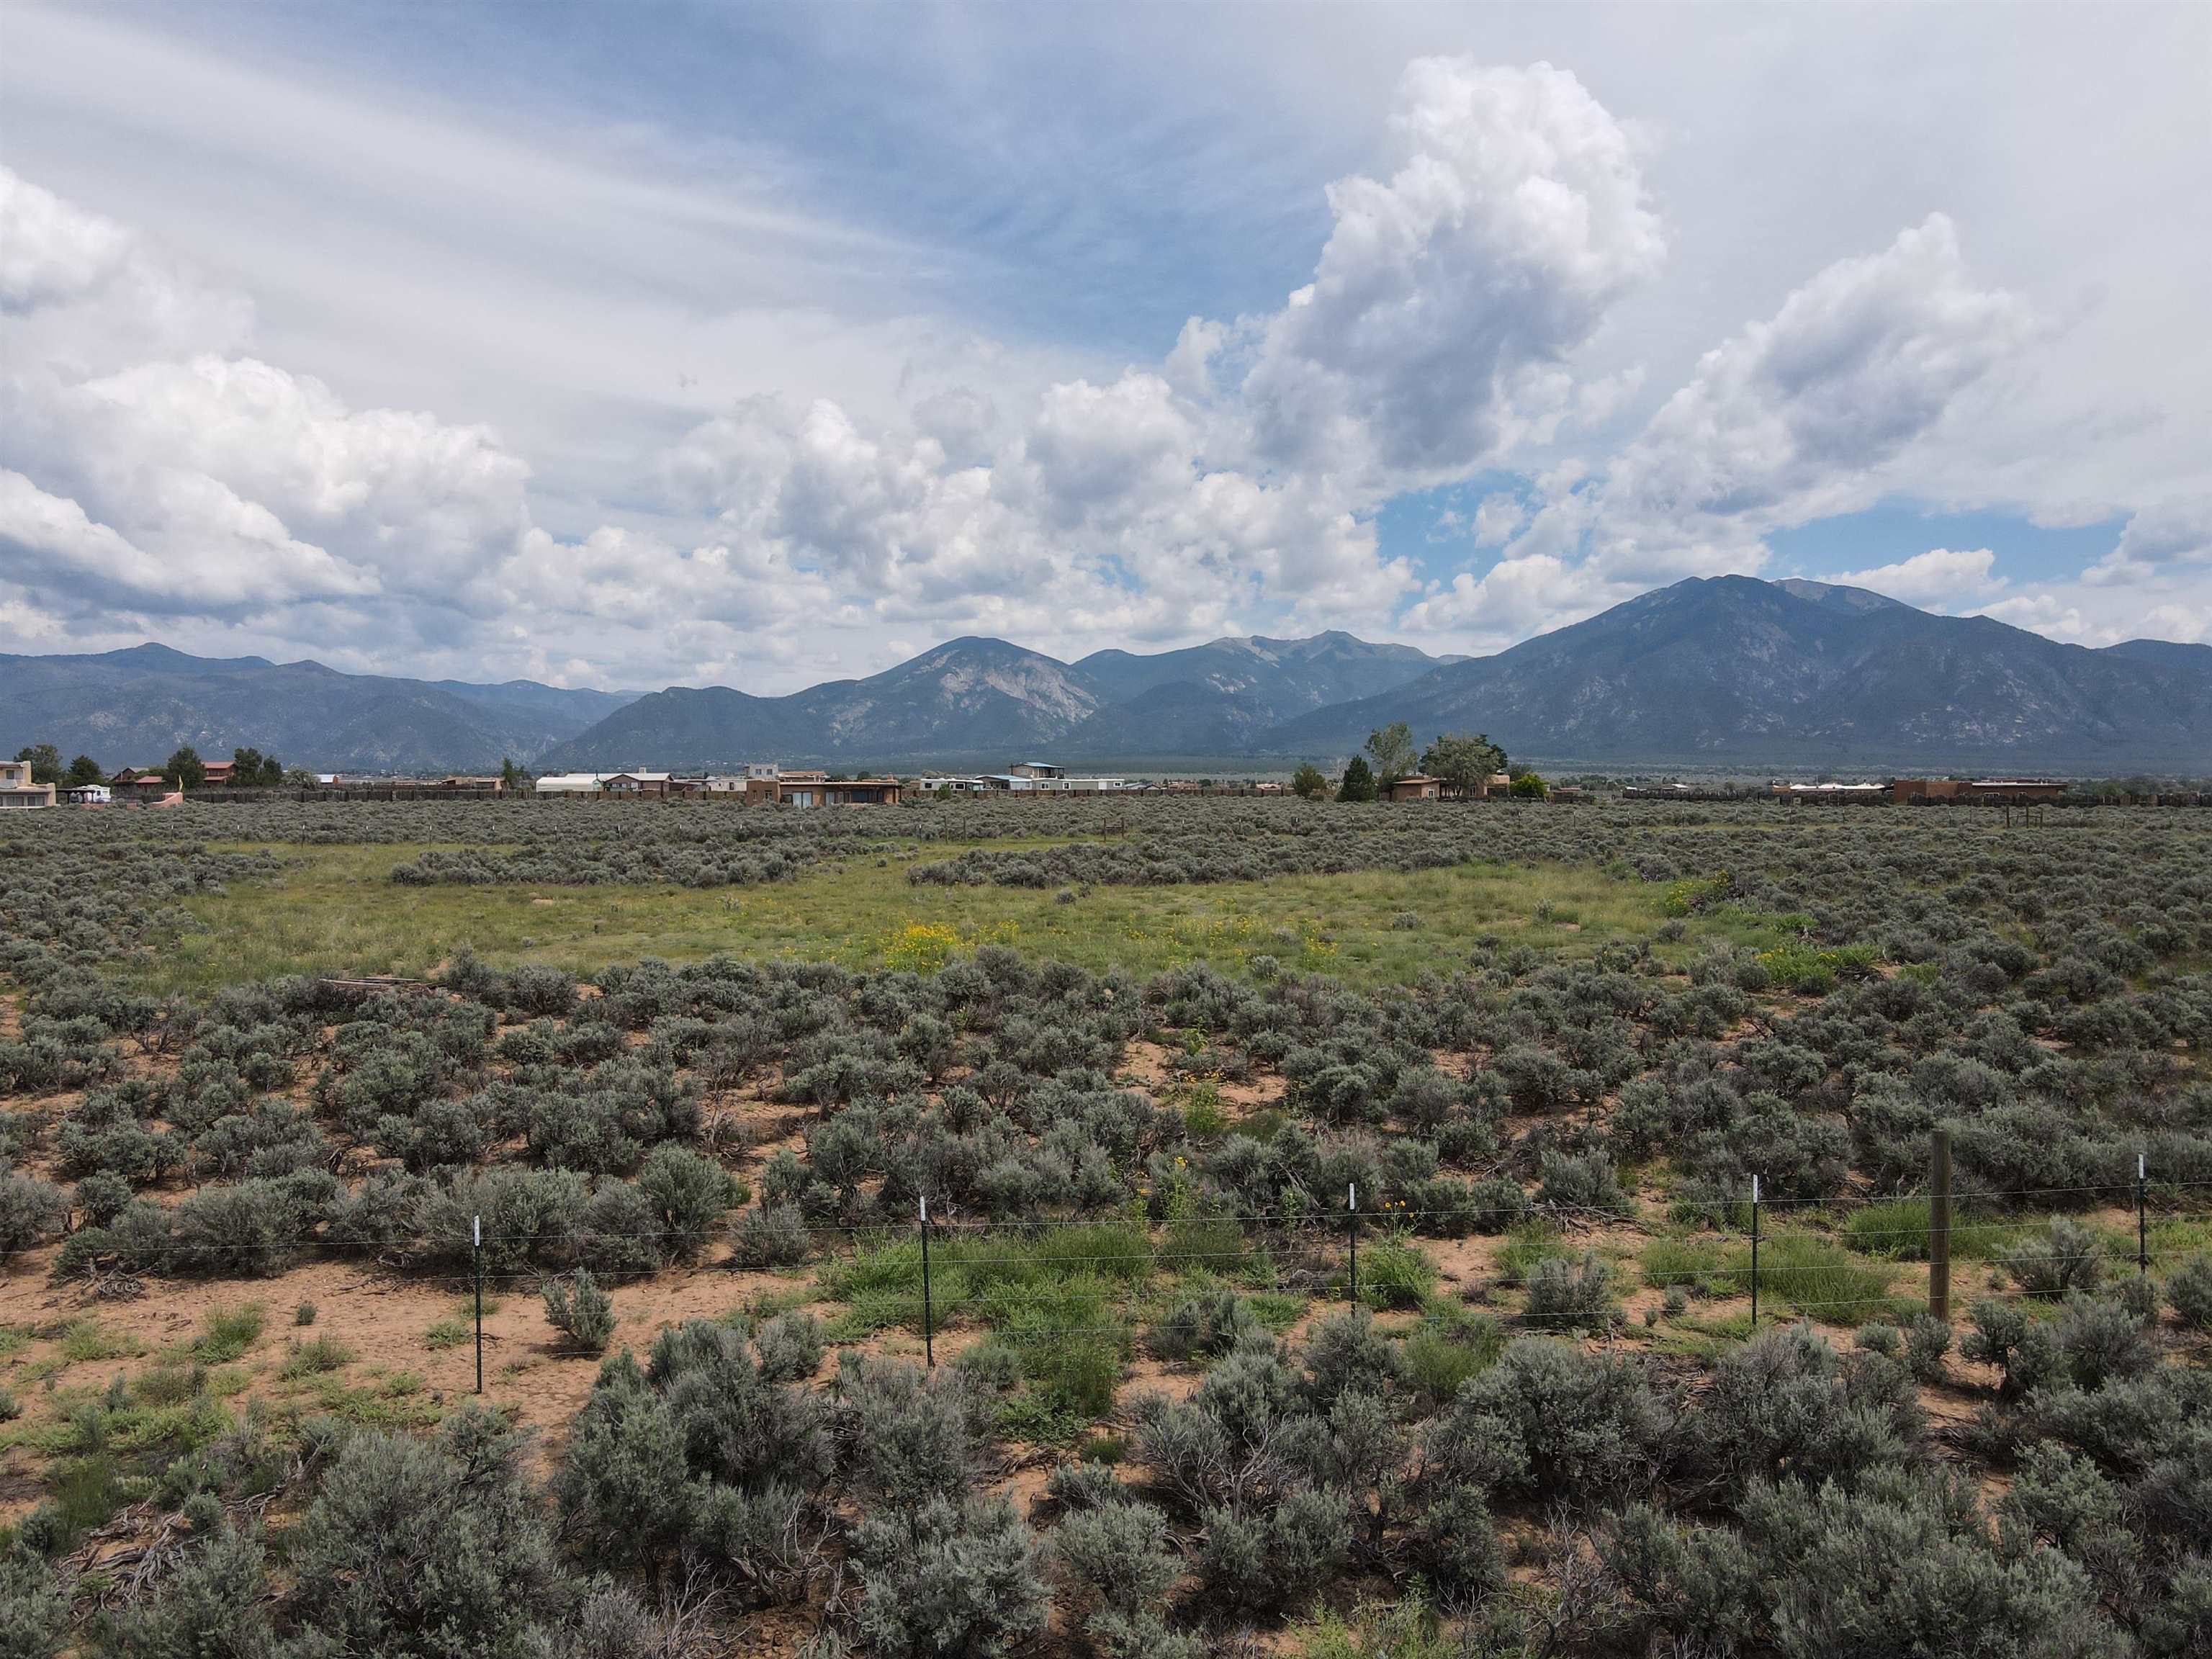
x=650 y=343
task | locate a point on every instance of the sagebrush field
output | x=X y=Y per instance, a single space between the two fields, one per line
x=1341 y=1234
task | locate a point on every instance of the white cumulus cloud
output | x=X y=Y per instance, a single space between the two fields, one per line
x=1437 y=330
x=1940 y=576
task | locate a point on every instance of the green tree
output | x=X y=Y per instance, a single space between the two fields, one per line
x=512 y=773
x=1358 y=781
x=252 y=769
x=1392 y=746
x=185 y=768
x=83 y=770
x=297 y=777
x=1463 y=762
x=1307 y=783
x=46 y=762
x=1530 y=787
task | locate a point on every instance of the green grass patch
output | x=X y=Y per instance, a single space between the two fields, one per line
x=227 y=1332
x=1813 y=1276
x=1395 y=1273
x=1036 y=1417
x=397 y=1401
x=1695 y=1264
x=1448 y=1349
x=1813 y=969
x=86 y=1340
x=1897 y=1230
x=317 y=1355
x=449 y=1333
x=987 y=1278
x=1527 y=1244
x=334 y=910
x=2173 y=1236
x=1277 y=1311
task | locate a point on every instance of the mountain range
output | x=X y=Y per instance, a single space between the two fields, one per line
x=1734 y=670
x=1721 y=671
x=134 y=707
x=983 y=700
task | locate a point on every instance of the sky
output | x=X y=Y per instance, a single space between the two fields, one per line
x=638 y=345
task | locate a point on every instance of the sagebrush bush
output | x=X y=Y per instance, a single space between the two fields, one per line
x=419 y=1548
x=29 y=1210
x=2066 y=1256
x=770 y=1237
x=1259 y=1561
x=949 y=1577
x=2188 y=1288
x=1565 y=1295
x=581 y=1311
x=1117 y=1553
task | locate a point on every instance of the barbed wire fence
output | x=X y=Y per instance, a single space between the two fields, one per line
x=1321 y=1242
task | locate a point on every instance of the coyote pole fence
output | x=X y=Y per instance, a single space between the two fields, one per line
x=928 y=1315
x=476 y=1266
x=2143 y=1219
x=1352 y=1230
x=1939 y=1228
x=1754 y=1252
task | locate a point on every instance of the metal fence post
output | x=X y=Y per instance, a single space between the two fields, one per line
x=1754 y=1252
x=1939 y=1229
x=928 y=1313
x=475 y=1265
x=2143 y=1217
x=1351 y=1227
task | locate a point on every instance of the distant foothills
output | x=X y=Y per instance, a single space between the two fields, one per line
x=1721 y=671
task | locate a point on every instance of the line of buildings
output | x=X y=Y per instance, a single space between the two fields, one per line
x=1918 y=791
x=760 y=783
x=768 y=784
x=765 y=783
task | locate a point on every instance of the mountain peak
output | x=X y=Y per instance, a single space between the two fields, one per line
x=1835 y=593
x=1739 y=670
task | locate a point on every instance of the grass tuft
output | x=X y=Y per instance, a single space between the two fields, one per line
x=227 y=1332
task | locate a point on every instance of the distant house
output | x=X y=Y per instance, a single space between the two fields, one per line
x=141 y=783
x=958 y=786
x=634 y=783
x=87 y=794
x=17 y=791
x=1827 y=792
x=1042 y=778
x=568 y=783
x=2001 y=790
x=217 y=773
x=814 y=790
x=1420 y=786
